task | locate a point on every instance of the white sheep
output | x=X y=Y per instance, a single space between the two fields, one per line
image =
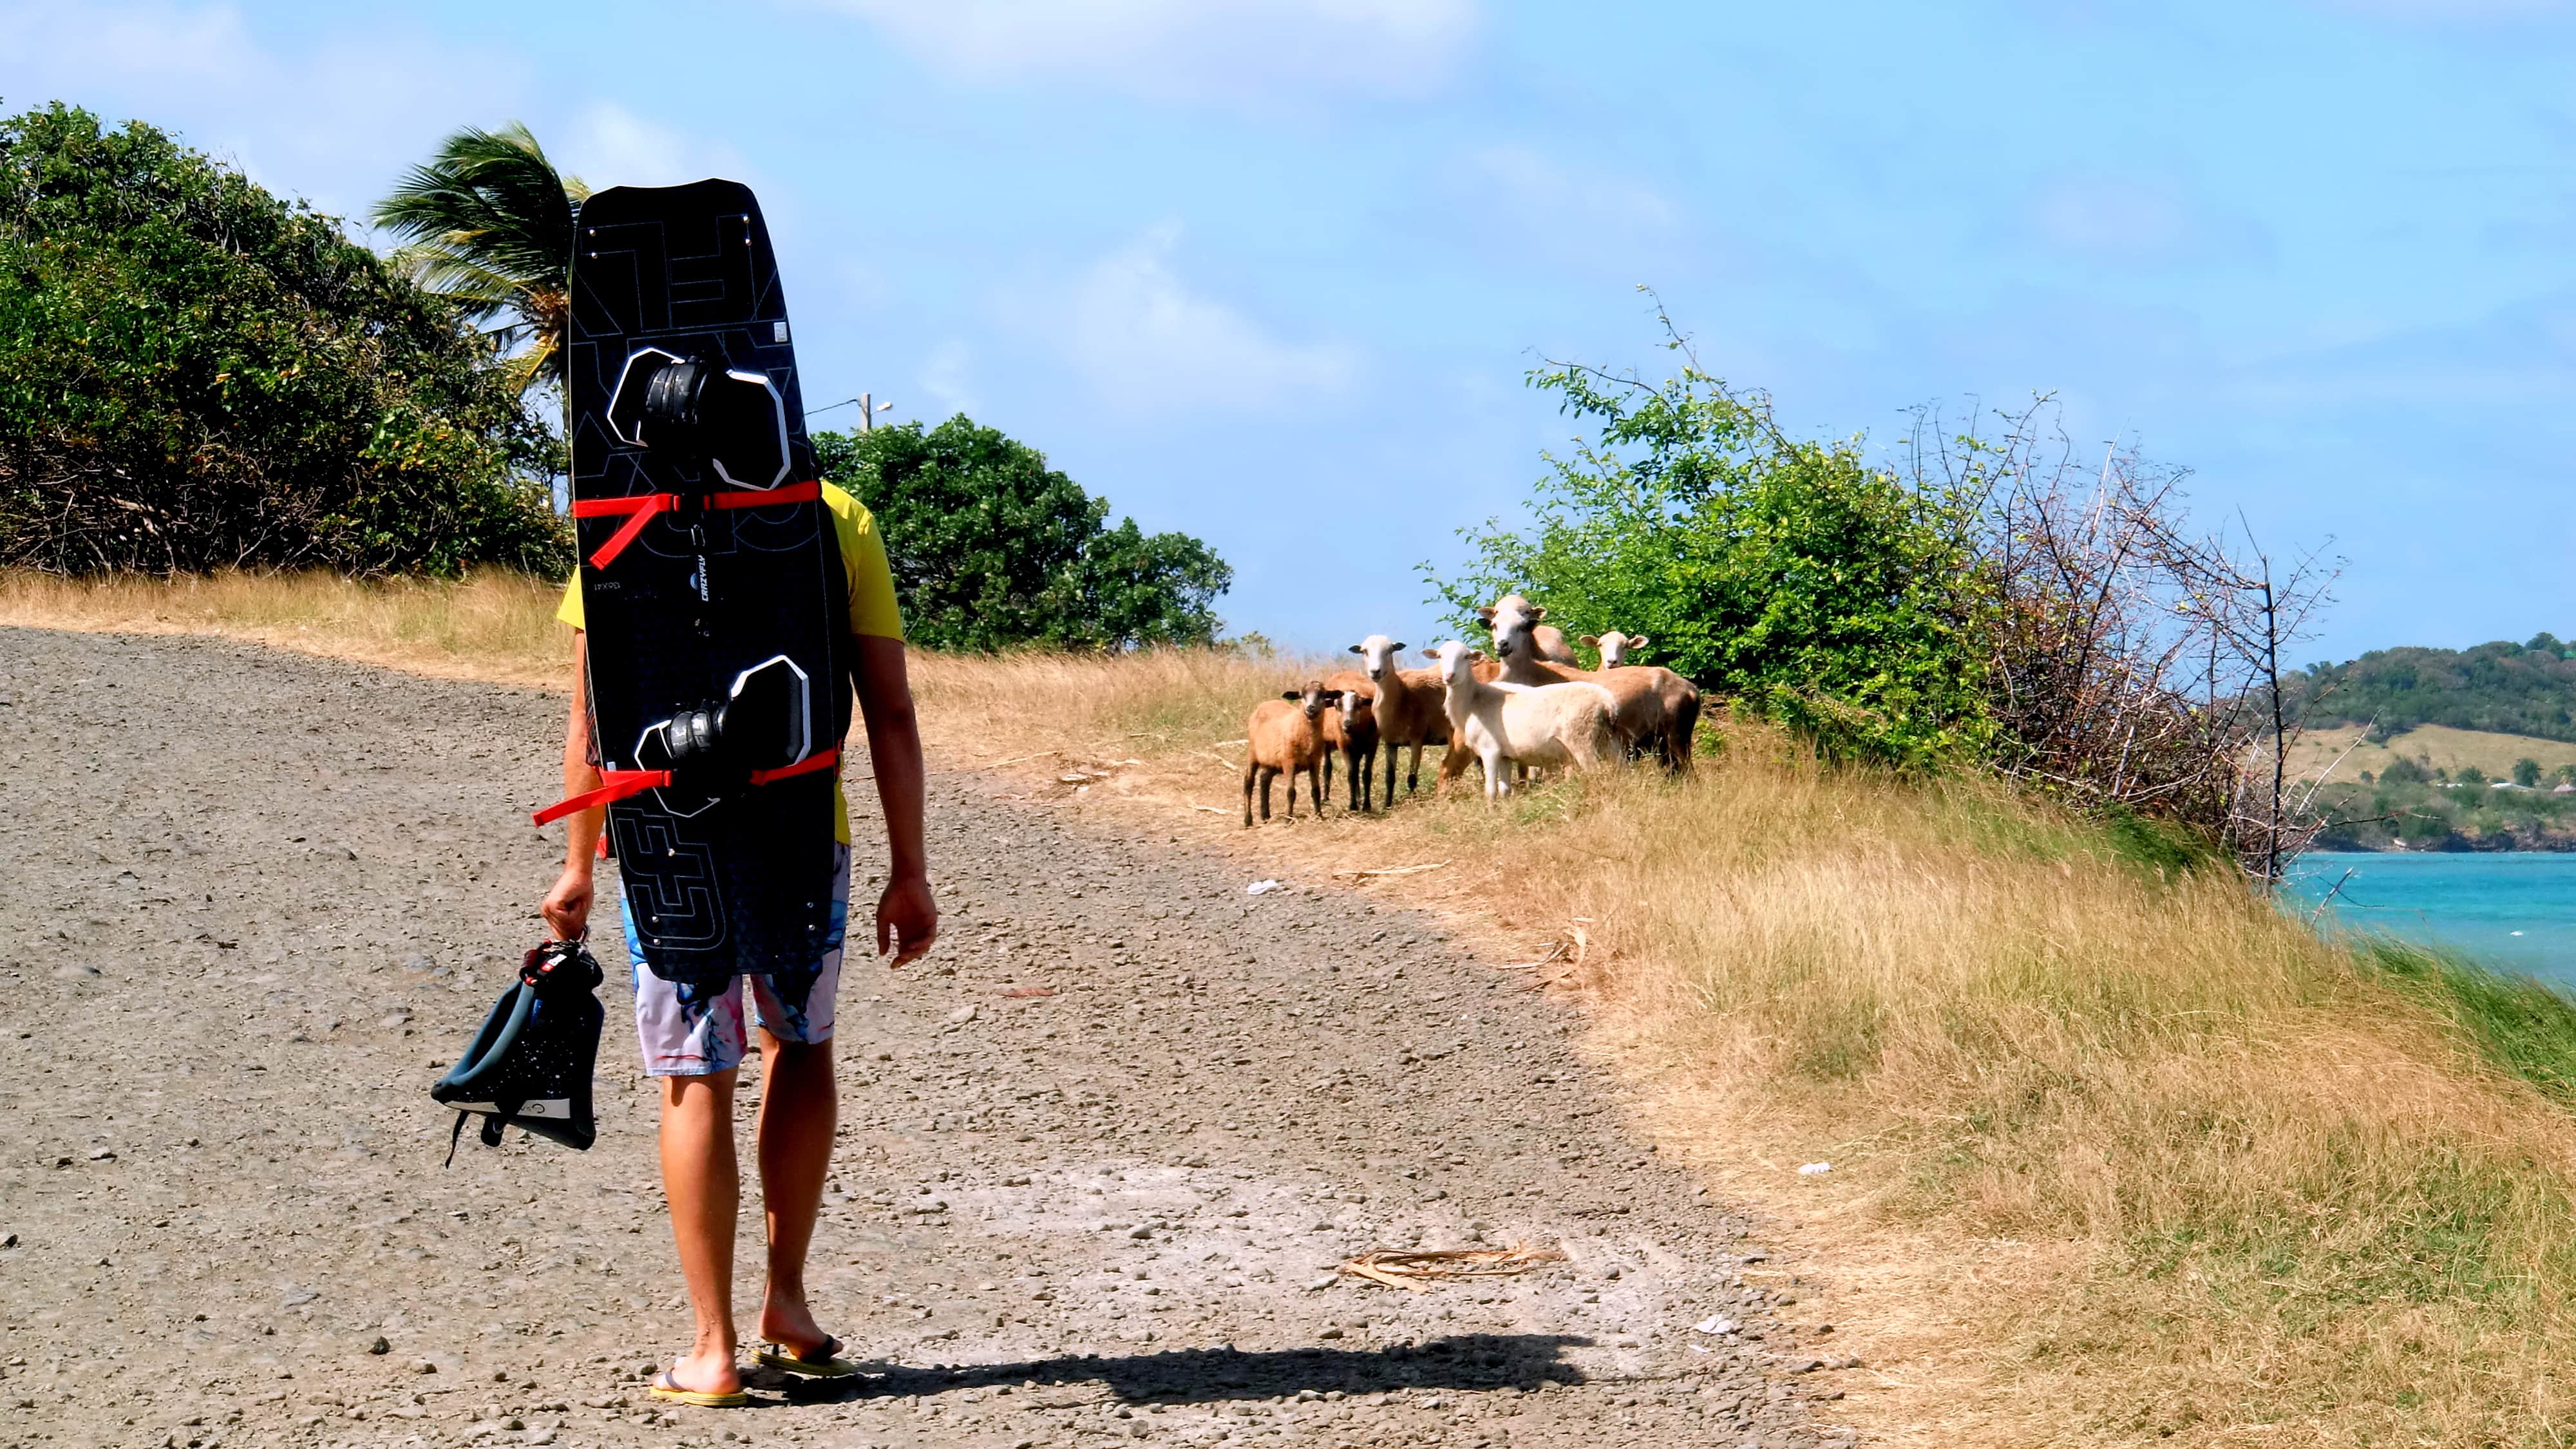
x=1550 y=725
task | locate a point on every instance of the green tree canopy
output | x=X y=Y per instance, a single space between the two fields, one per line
x=1784 y=572
x=992 y=549
x=195 y=373
x=2515 y=689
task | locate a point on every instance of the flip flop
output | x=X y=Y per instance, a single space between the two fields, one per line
x=823 y=1363
x=667 y=1387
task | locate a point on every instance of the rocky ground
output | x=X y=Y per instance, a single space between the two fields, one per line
x=1101 y=1155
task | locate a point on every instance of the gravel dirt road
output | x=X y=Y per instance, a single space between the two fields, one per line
x=1101 y=1154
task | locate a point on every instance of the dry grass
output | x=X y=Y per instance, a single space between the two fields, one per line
x=2347 y=754
x=2118 y=1153
x=496 y=626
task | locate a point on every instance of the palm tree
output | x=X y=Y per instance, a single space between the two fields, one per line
x=489 y=223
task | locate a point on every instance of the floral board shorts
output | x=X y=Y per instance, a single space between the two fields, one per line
x=695 y=1029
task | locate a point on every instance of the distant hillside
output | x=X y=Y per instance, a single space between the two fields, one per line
x=2500 y=688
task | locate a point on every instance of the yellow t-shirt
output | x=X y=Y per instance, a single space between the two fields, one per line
x=872 y=607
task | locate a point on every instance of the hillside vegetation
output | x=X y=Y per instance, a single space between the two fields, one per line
x=2501 y=688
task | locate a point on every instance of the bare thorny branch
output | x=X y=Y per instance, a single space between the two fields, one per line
x=2136 y=660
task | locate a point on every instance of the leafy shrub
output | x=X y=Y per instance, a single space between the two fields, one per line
x=197 y=374
x=992 y=549
x=1789 y=574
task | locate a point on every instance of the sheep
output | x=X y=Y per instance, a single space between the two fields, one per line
x=1680 y=696
x=1350 y=730
x=1556 y=724
x=1650 y=700
x=1285 y=735
x=1614 y=646
x=1547 y=639
x=1408 y=707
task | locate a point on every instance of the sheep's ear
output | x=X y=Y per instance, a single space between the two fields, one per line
x=1430 y=653
x=1477 y=656
x=1590 y=641
x=1291 y=694
x=1538 y=612
x=1399 y=643
x=1485 y=614
x=1355 y=649
x=1639 y=642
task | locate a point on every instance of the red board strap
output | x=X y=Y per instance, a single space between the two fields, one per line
x=643 y=506
x=616 y=785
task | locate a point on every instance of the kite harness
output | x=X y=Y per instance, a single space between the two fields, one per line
x=530 y=1064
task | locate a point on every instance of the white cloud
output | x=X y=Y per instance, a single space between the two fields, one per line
x=1188 y=49
x=610 y=145
x=2447 y=11
x=1522 y=202
x=334 y=119
x=1147 y=343
x=2136 y=221
x=943 y=377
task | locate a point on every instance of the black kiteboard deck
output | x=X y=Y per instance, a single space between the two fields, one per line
x=685 y=420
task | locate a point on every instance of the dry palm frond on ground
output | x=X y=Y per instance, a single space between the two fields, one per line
x=1411 y=1268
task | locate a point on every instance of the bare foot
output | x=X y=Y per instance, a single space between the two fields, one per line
x=788 y=1323
x=709 y=1371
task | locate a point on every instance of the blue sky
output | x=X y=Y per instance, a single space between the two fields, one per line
x=1270 y=271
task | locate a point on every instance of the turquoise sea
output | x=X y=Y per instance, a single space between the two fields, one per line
x=2515 y=911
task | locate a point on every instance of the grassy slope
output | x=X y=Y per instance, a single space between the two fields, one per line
x=2343 y=750
x=2119 y=1153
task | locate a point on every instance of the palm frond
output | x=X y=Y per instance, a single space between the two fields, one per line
x=489 y=223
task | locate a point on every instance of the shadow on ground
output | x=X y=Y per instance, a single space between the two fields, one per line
x=1208 y=1375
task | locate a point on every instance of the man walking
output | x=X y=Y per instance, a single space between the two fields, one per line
x=694 y=1035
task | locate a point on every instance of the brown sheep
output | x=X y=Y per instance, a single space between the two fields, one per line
x=1680 y=696
x=1409 y=708
x=1350 y=730
x=1286 y=736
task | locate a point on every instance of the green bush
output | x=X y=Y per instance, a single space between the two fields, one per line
x=993 y=549
x=1788 y=574
x=197 y=374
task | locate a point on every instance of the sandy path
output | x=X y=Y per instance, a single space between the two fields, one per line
x=255 y=900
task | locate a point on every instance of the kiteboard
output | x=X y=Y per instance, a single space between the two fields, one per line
x=714 y=601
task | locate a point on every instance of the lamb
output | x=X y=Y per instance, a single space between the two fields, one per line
x=1680 y=696
x=1350 y=730
x=1285 y=735
x=1408 y=707
x=1615 y=647
x=1556 y=724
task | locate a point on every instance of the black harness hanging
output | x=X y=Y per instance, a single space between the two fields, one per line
x=530 y=1064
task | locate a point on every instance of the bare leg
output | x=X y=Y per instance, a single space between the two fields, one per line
x=798 y=1112
x=1267 y=775
x=1314 y=784
x=699 y=1177
x=1250 y=772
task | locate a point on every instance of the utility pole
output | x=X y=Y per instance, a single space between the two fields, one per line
x=867 y=413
